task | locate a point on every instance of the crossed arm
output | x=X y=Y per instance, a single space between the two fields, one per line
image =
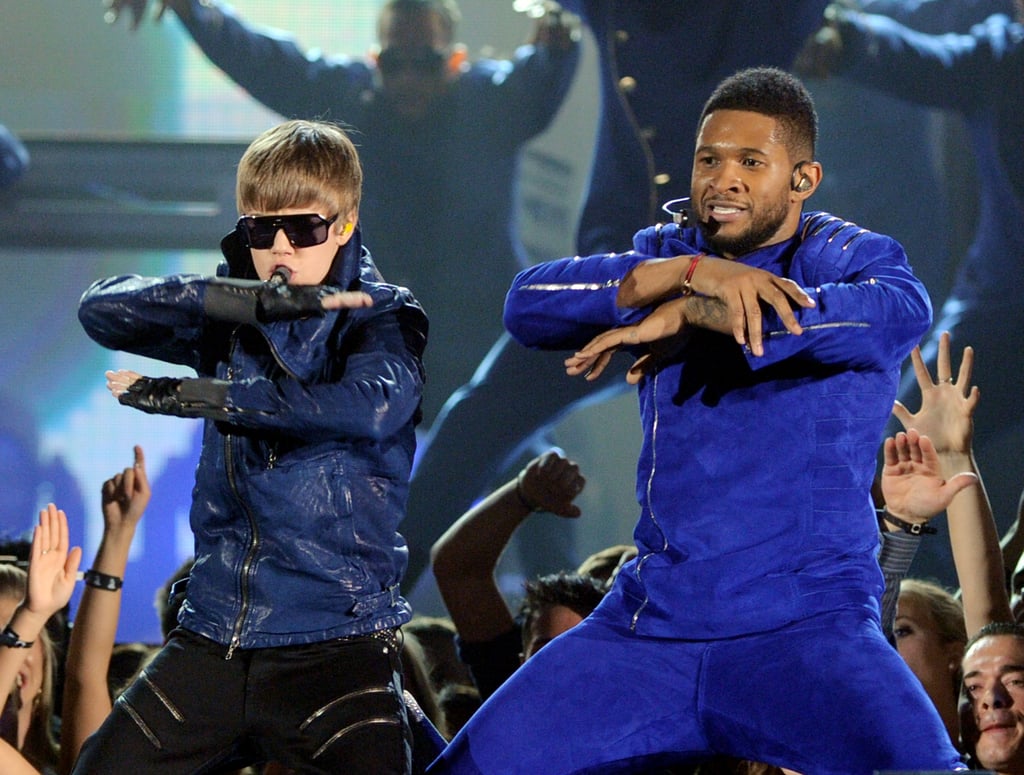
x=728 y=300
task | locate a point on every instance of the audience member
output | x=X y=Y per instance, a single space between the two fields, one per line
x=465 y=558
x=930 y=636
x=605 y=564
x=126 y=662
x=440 y=137
x=946 y=417
x=87 y=692
x=753 y=328
x=458 y=703
x=993 y=717
x=977 y=74
x=416 y=678
x=425 y=717
x=26 y=657
x=932 y=626
x=554 y=604
x=309 y=379
x=437 y=636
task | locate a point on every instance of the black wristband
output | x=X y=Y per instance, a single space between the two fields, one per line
x=102 y=580
x=908 y=527
x=11 y=639
x=521 y=496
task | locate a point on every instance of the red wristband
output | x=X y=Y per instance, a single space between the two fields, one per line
x=687 y=287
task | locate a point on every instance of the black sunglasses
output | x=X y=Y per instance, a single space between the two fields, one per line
x=421 y=60
x=303 y=231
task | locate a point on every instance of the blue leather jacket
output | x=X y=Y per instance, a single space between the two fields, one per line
x=303 y=475
x=754 y=474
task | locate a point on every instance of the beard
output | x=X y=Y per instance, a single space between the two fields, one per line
x=763 y=226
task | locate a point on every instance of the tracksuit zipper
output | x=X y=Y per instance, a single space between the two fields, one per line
x=650 y=508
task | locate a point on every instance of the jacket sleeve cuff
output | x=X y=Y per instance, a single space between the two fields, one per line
x=204 y=397
x=234 y=301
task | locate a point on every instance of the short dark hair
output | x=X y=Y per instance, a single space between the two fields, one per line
x=771 y=92
x=577 y=593
x=1013 y=629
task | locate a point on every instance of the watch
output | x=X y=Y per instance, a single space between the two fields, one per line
x=11 y=639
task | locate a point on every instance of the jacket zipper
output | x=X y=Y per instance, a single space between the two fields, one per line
x=250 y=555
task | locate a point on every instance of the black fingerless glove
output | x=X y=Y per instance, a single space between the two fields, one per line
x=245 y=301
x=177 y=397
x=289 y=302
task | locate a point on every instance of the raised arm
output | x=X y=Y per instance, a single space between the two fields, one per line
x=465 y=556
x=946 y=418
x=268 y=63
x=86 y=695
x=948 y=70
x=52 y=570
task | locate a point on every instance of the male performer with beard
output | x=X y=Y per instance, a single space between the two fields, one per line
x=769 y=344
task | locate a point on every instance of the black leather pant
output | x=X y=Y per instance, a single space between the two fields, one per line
x=328 y=707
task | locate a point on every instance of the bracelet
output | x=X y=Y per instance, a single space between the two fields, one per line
x=908 y=527
x=12 y=640
x=687 y=286
x=519 y=493
x=102 y=581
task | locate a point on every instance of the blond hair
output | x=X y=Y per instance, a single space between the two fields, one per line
x=946 y=611
x=300 y=164
x=40 y=747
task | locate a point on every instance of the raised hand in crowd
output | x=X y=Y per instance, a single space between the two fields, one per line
x=52 y=572
x=87 y=700
x=464 y=558
x=948 y=404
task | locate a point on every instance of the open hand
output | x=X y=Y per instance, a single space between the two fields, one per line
x=665 y=321
x=947 y=404
x=52 y=565
x=912 y=483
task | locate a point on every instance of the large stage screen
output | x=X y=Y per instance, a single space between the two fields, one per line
x=134 y=137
